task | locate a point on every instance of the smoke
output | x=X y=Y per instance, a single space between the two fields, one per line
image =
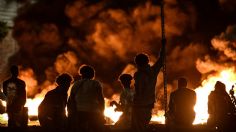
x=8 y=47
x=224 y=57
x=228 y=5
x=60 y=35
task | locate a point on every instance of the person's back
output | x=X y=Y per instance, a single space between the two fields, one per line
x=86 y=103
x=181 y=106
x=220 y=107
x=14 y=90
x=184 y=101
x=51 y=111
x=145 y=83
x=88 y=96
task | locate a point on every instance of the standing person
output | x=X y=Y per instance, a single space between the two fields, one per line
x=51 y=111
x=220 y=108
x=14 y=90
x=181 y=105
x=86 y=103
x=145 y=83
x=126 y=101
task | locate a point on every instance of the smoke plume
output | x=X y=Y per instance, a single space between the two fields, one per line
x=59 y=35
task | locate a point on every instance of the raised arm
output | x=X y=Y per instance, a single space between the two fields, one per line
x=159 y=63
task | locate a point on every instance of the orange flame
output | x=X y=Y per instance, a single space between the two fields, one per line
x=227 y=76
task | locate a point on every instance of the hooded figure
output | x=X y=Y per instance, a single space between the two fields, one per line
x=220 y=107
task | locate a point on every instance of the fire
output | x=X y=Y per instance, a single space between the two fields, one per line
x=159 y=117
x=32 y=105
x=227 y=76
x=110 y=113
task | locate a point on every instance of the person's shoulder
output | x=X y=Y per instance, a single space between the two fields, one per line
x=7 y=81
x=96 y=82
x=190 y=92
x=77 y=81
x=21 y=81
x=51 y=92
x=212 y=93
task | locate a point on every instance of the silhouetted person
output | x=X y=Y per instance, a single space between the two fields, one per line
x=86 y=103
x=126 y=101
x=51 y=111
x=220 y=107
x=181 y=105
x=14 y=89
x=144 y=98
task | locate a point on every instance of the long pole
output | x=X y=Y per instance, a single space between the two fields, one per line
x=164 y=59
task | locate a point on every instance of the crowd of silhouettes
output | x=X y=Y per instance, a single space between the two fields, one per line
x=85 y=103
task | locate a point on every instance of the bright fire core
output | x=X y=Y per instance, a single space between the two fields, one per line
x=228 y=77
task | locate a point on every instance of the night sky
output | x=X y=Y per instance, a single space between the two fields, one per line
x=57 y=36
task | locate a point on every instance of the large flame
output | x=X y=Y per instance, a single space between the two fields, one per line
x=227 y=76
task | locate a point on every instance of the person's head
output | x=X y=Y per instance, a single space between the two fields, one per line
x=182 y=83
x=141 y=60
x=125 y=79
x=219 y=86
x=64 y=81
x=87 y=72
x=14 y=71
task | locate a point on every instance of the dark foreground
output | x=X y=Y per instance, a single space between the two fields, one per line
x=110 y=128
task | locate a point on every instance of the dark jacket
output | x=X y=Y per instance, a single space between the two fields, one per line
x=181 y=106
x=15 y=92
x=51 y=111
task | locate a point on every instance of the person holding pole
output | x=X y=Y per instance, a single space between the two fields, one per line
x=145 y=83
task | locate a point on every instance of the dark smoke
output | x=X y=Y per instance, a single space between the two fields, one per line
x=59 y=35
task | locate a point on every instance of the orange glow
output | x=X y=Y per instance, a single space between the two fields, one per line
x=227 y=76
x=112 y=114
x=32 y=105
x=159 y=117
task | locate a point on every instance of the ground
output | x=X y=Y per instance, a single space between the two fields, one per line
x=153 y=128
